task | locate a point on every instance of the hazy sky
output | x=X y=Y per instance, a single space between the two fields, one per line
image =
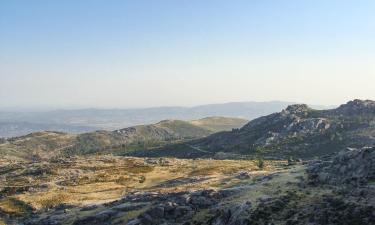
x=87 y=53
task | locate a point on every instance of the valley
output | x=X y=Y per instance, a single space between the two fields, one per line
x=187 y=112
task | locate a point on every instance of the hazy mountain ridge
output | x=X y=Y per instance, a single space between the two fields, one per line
x=14 y=129
x=84 y=120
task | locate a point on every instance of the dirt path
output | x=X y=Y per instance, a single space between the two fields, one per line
x=198 y=149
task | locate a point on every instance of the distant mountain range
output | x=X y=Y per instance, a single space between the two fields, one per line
x=297 y=131
x=85 y=120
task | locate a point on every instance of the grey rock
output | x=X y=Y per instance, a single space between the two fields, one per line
x=243 y=175
x=264 y=198
x=235 y=214
x=156 y=212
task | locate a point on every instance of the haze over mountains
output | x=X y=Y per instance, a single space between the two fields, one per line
x=84 y=120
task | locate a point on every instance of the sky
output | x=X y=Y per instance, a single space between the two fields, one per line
x=144 y=53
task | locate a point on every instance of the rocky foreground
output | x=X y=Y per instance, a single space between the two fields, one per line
x=67 y=190
x=338 y=190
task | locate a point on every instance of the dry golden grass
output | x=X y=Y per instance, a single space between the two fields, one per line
x=52 y=200
x=45 y=200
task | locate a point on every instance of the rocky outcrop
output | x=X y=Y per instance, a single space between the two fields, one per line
x=298 y=109
x=352 y=167
x=234 y=214
x=356 y=107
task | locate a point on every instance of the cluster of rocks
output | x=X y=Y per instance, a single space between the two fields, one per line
x=292 y=210
x=157 y=161
x=233 y=214
x=178 y=208
x=354 y=167
x=158 y=208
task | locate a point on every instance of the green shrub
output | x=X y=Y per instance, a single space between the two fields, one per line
x=260 y=163
x=142 y=179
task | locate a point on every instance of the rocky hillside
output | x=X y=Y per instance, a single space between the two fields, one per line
x=35 y=146
x=296 y=131
x=49 y=144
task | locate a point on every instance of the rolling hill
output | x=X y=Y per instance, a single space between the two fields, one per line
x=49 y=144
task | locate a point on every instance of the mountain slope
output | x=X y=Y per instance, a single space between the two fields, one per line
x=218 y=123
x=297 y=131
x=36 y=145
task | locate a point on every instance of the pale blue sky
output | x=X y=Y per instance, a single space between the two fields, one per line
x=80 y=53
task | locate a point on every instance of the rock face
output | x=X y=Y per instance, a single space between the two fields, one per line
x=353 y=166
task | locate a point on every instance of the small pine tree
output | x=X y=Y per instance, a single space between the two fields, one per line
x=260 y=163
